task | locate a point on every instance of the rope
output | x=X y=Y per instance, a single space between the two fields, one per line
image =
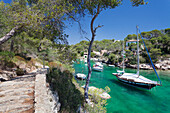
x=150 y=58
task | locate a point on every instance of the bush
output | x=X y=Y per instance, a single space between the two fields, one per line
x=82 y=53
x=5 y=58
x=70 y=97
x=20 y=71
x=92 y=54
x=99 y=103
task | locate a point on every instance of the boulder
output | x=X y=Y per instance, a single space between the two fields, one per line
x=39 y=65
x=158 y=66
x=27 y=70
x=169 y=67
x=6 y=75
x=164 y=68
x=22 y=66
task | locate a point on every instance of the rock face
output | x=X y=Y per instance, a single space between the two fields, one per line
x=145 y=66
x=163 y=65
x=54 y=100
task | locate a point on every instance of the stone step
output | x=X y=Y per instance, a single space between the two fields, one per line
x=14 y=98
x=19 y=91
x=15 y=85
x=16 y=108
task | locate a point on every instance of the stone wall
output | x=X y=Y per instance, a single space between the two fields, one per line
x=46 y=101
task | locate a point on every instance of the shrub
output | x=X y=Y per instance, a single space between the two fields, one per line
x=20 y=71
x=70 y=97
x=6 y=58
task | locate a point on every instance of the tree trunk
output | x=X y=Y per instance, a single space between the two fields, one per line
x=89 y=69
x=9 y=35
x=89 y=55
x=39 y=47
x=12 y=45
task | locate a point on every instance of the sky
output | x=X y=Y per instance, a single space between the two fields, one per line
x=122 y=20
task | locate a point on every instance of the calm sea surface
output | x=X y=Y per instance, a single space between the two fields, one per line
x=128 y=99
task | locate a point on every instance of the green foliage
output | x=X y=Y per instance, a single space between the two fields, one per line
x=155 y=54
x=142 y=59
x=82 y=53
x=5 y=59
x=112 y=57
x=20 y=72
x=70 y=97
x=99 y=103
x=92 y=54
x=105 y=54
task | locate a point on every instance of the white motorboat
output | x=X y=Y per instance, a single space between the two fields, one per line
x=81 y=76
x=98 y=67
x=111 y=65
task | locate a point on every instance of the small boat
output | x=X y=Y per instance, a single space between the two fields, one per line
x=136 y=79
x=111 y=65
x=99 y=64
x=85 y=60
x=98 y=67
x=81 y=76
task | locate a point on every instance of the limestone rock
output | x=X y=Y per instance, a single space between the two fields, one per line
x=164 y=68
x=6 y=75
x=158 y=66
x=38 y=65
x=22 y=66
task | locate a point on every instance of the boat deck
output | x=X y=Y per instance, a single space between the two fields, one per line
x=136 y=78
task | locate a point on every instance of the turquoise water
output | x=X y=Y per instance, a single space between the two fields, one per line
x=128 y=99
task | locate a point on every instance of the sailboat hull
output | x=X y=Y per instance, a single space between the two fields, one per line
x=136 y=84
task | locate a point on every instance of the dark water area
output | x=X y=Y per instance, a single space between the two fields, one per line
x=128 y=99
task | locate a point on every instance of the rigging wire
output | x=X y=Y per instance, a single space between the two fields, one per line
x=150 y=58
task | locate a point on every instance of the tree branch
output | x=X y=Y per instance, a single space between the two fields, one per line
x=97 y=28
x=9 y=35
x=92 y=21
x=87 y=39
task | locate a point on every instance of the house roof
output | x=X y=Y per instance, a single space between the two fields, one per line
x=131 y=41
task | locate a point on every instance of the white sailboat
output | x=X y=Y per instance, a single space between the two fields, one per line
x=136 y=79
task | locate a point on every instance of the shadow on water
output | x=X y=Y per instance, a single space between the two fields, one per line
x=131 y=89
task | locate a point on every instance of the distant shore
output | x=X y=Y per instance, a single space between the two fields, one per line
x=161 y=65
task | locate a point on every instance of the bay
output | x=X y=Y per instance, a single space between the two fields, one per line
x=128 y=99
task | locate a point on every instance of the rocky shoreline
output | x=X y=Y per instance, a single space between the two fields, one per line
x=164 y=65
x=160 y=65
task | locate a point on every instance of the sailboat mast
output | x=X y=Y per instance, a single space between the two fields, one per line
x=123 y=57
x=137 y=51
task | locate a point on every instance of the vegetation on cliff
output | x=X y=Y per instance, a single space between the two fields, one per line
x=157 y=42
